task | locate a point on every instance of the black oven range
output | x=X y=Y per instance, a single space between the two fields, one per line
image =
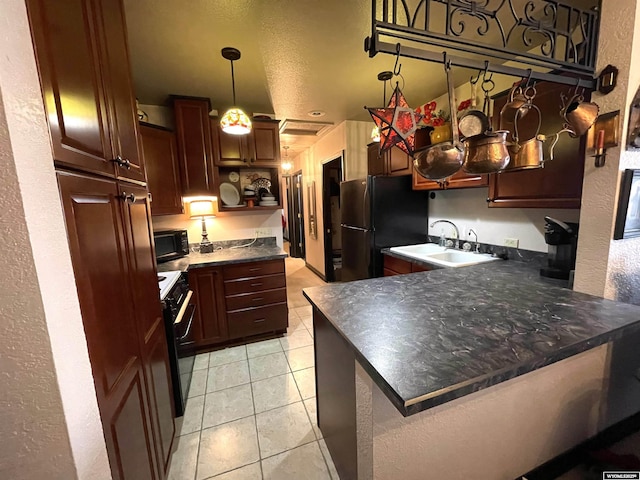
x=178 y=313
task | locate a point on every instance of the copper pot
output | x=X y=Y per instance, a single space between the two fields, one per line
x=440 y=161
x=486 y=153
x=580 y=115
x=528 y=154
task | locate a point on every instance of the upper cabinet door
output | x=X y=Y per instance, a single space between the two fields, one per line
x=163 y=174
x=193 y=134
x=399 y=163
x=122 y=101
x=264 y=144
x=229 y=150
x=64 y=36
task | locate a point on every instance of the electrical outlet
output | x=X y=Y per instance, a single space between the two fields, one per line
x=511 y=242
x=263 y=232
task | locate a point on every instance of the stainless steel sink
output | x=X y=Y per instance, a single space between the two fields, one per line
x=443 y=257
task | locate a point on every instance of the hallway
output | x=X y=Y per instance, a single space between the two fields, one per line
x=251 y=413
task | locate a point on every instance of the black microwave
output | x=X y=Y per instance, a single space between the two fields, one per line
x=170 y=244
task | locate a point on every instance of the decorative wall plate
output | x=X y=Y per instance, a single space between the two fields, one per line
x=229 y=194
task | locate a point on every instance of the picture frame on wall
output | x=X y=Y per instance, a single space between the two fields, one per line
x=628 y=216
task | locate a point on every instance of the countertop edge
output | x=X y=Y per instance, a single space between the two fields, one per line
x=186 y=263
x=418 y=404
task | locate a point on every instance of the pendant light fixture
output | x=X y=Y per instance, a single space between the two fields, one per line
x=286 y=164
x=383 y=77
x=234 y=121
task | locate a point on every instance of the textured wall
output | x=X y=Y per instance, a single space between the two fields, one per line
x=605 y=267
x=486 y=435
x=50 y=426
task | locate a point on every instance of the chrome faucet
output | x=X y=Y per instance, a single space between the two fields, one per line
x=477 y=249
x=457 y=242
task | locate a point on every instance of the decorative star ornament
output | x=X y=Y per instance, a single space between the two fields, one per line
x=397 y=123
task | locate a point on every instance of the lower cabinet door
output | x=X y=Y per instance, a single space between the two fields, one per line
x=93 y=212
x=208 y=289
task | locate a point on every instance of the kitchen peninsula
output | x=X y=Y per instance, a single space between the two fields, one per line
x=440 y=374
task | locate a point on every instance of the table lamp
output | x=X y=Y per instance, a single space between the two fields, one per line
x=204 y=209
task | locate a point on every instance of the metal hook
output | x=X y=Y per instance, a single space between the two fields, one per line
x=575 y=92
x=472 y=81
x=446 y=61
x=526 y=86
x=397 y=67
x=486 y=70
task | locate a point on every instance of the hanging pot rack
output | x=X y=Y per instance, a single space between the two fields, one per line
x=393 y=20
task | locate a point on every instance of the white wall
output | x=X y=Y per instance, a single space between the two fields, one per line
x=230 y=227
x=467 y=208
x=49 y=421
x=159 y=115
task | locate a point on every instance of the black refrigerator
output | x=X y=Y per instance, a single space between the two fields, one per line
x=376 y=213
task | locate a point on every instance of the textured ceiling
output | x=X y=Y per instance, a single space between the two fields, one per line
x=297 y=56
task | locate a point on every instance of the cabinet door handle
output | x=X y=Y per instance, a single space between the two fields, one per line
x=122 y=162
x=131 y=198
x=257 y=299
x=260 y=320
x=256 y=284
x=255 y=269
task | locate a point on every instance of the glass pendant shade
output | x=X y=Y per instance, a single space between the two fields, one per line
x=375 y=134
x=235 y=122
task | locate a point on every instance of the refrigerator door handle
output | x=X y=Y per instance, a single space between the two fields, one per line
x=354 y=228
x=364 y=201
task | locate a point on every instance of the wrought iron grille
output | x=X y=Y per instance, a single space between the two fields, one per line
x=552 y=35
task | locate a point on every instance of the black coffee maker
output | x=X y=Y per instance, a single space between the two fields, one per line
x=562 y=238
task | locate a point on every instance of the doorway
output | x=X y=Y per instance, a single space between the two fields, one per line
x=331 y=178
x=296 y=217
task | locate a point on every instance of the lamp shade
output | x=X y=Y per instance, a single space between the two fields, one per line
x=201 y=208
x=375 y=134
x=235 y=122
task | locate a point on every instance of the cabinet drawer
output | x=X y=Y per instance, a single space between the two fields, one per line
x=253 y=321
x=257 y=299
x=397 y=265
x=253 y=269
x=255 y=284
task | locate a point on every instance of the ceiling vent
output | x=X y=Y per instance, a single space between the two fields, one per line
x=303 y=127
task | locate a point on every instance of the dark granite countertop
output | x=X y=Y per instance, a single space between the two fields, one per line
x=224 y=256
x=428 y=338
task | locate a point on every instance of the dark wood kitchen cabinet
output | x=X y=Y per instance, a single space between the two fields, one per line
x=559 y=183
x=391 y=162
x=259 y=148
x=255 y=298
x=398 y=266
x=163 y=173
x=238 y=301
x=459 y=179
x=86 y=82
x=113 y=264
x=82 y=59
x=195 y=154
x=210 y=326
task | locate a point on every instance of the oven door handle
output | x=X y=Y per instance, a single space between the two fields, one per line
x=188 y=330
x=183 y=308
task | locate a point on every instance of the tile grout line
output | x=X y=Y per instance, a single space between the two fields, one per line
x=255 y=420
x=206 y=384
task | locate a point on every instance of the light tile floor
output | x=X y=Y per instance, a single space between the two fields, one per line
x=251 y=414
